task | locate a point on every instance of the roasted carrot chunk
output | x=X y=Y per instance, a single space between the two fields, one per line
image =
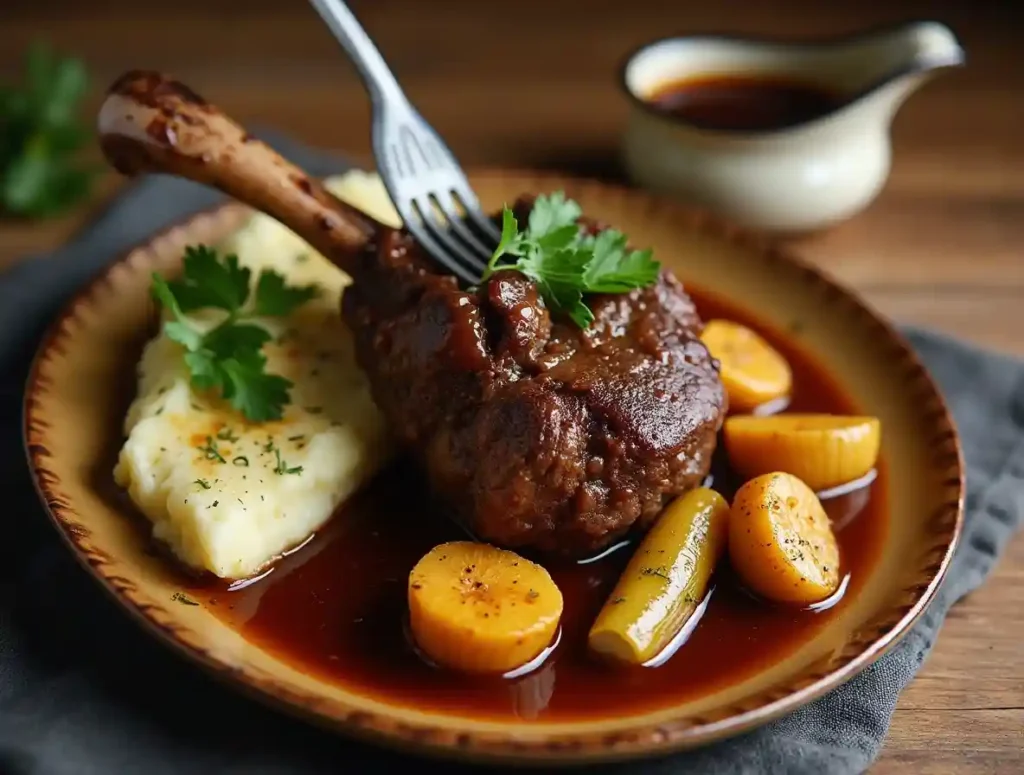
x=781 y=541
x=821 y=449
x=752 y=371
x=480 y=609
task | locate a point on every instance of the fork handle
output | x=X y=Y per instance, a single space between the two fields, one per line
x=378 y=79
x=150 y=123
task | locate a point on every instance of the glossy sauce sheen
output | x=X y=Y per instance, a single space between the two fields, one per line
x=743 y=103
x=337 y=607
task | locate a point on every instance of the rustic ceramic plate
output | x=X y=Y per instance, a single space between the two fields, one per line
x=83 y=378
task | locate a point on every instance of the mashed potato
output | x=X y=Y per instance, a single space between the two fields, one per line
x=229 y=496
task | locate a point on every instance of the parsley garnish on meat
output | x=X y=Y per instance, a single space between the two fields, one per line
x=566 y=263
x=229 y=357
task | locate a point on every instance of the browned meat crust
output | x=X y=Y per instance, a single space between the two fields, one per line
x=538 y=435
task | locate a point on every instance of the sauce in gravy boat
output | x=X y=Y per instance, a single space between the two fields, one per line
x=778 y=136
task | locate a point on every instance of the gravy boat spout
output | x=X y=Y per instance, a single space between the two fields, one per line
x=880 y=69
x=793 y=175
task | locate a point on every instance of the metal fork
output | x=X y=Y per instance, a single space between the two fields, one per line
x=420 y=174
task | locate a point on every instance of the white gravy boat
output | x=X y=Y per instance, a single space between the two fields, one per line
x=791 y=178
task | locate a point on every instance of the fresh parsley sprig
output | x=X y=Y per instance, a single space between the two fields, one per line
x=229 y=356
x=40 y=136
x=566 y=263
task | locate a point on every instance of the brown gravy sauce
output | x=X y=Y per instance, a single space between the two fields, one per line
x=336 y=607
x=740 y=102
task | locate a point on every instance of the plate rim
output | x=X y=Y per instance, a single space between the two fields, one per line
x=640 y=739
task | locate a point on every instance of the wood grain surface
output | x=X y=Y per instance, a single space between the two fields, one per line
x=532 y=83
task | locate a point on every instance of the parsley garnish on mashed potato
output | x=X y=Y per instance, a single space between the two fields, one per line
x=252 y=422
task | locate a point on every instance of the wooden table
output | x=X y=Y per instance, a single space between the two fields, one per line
x=531 y=83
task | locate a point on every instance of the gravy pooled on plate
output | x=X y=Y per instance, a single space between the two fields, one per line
x=338 y=608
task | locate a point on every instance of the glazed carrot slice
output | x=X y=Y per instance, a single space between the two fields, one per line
x=752 y=371
x=821 y=449
x=480 y=609
x=781 y=542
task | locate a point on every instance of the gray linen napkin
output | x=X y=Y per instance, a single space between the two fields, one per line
x=84 y=691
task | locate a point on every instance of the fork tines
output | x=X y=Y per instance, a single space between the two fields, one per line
x=462 y=242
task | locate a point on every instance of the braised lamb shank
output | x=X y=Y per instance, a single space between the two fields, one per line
x=538 y=434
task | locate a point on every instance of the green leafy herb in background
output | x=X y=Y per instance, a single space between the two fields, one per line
x=566 y=263
x=229 y=357
x=40 y=135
